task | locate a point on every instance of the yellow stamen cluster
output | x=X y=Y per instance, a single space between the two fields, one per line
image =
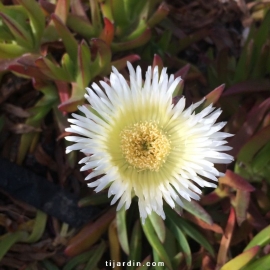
x=144 y=146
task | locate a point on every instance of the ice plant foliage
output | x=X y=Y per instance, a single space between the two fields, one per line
x=139 y=143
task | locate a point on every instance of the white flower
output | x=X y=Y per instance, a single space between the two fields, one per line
x=140 y=144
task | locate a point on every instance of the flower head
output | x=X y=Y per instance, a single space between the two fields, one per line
x=140 y=144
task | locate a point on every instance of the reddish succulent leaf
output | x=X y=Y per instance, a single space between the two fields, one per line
x=51 y=70
x=157 y=61
x=77 y=9
x=236 y=181
x=253 y=120
x=161 y=13
x=137 y=42
x=29 y=71
x=62 y=9
x=241 y=204
x=212 y=227
x=182 y=72
x=213 y=96
x=76 y=98
x=248 y=151
x=107 y=33
x=241 y=260
x=197 y=210
x=89 y=235
x=217 y=195
x=122 y=63
x=225 y=241
x=247 y=87
x=63 y=90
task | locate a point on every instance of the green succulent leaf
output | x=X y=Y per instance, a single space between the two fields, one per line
x=241 y=260
x=158 y=225
x=8 y=51
x=20 y=32
x=84 y=60
x=37 y=19
x=155 y=243
x=182 y=241
x=39 y=227
x=68 y=39
x=189 y=230
x=79 y=259
x=261 y=239
x=94 y=259
x=8 y=240
x=135 y=244
x=259 y=264
x=122 y=229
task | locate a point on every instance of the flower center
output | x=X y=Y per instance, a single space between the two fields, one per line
x=144 y=146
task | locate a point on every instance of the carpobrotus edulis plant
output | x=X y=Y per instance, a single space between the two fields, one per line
x=143 y=145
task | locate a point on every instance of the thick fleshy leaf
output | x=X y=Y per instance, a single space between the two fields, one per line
x=236 y=181
x=195 y=209
x=79 y=259
x=51 y=70
x=261 y=239
x=261 y=263
x=94 y=259
x=39 y=227
x=161 y=13
x=103 y=57
x=8 y=240
x=248 y=151
x=28 y=71
x=241 y=204
x=250 y=86
x=157 y=61
x=107 y=33
x=84 y=59
x=158 y=225
x=76 y=98
x=182 y=241
x=135 y=244
x=189 y=230
x=89 y=235
x=241 y=260
x=189 y=40
x=213 y=96
x=39 y=111
x=81 y=26
x=155 y=243
x=122 y=229
x=122 y=62
x=196 y=220
x=68 y=39
x=96 y=16
x=22 y=35
x=226 y=239
x=127 y=45
x=143 y=265
x=62 y=9
x=37 y=18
